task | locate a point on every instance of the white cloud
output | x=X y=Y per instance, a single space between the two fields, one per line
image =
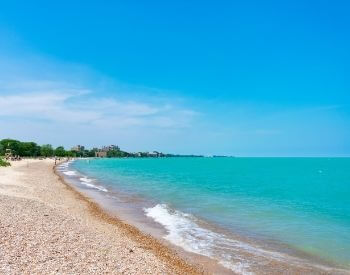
x=59 y=102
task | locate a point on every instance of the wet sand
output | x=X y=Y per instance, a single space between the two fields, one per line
x=47 y=227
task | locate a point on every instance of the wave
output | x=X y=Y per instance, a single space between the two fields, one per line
x=70 y=173
x=83 y=180
x=87 y=182
x=184 y=230
x=64 y=166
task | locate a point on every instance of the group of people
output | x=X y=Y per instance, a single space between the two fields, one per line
x=13 y=158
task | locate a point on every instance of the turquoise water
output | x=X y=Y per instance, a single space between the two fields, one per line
x=303 y=203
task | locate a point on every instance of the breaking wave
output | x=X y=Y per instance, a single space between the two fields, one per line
x=87 y=182
x=184 y=230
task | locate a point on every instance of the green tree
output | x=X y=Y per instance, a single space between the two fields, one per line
x=28 y=149
x=46 y=150
x=117 y=154
x=91 y=153
x=12 y=144
x=70 y=154
x=60 y=152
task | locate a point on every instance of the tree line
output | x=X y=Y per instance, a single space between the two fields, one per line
x=31 y=149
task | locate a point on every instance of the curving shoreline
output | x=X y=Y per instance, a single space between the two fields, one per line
x=49 y=227
x=148 y=242
x=264 y=261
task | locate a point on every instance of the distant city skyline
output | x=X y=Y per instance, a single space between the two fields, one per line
x=243 y=78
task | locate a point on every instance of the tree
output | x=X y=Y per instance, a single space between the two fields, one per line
x=78 y=154
x=28 y=149
x=12 y=144
x=70 y=154
x=92 y=152
x=46 y=150
x=117 y=154
x=60 y=152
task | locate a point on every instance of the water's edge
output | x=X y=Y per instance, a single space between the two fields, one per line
x=233 y=252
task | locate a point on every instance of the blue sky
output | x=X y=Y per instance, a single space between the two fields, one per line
x=247 y=78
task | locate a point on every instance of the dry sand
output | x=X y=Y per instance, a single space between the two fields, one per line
x=46 y=227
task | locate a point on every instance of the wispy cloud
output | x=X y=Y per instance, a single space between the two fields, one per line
x=59 y=102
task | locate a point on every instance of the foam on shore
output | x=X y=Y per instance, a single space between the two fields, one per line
x=69 y=173
x=186 y=233
x=184 y=230
x=87 y=182
x=83 y=180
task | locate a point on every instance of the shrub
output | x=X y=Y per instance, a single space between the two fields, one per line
x=4 y=162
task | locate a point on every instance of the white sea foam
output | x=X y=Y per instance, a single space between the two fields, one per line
x=70 y=173
x=87 y=182
x=63 y=166
x=85 y=179
x=183 y=230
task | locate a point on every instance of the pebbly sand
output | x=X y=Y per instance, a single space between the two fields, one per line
x=46 y=227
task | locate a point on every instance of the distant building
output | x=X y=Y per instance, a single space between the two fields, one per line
x=110 y=148
x=154 y=154
x=78 y=148
x=101 y=154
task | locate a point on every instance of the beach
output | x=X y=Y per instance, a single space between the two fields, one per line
x=47 y=227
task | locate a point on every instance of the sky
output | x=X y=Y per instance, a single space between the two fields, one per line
x=243 y=78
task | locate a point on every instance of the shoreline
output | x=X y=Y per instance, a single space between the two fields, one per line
x=145 y=255
x=169 y=254
x=162 y=248
x=294 y=265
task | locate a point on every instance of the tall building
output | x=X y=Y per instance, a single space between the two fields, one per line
x=78 y=148
x=110 y=148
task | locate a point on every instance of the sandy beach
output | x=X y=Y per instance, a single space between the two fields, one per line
x=47 y=227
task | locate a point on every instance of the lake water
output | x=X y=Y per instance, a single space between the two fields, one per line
x=232 y=208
